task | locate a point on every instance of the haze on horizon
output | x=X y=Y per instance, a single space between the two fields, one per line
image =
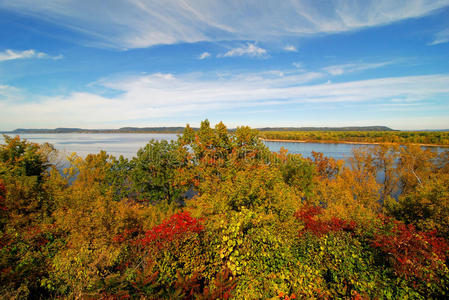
x=295 y=63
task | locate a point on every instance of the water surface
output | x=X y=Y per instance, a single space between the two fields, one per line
x=127 y=144
x=336 y=151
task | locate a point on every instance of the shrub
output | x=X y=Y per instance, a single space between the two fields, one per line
x=419 y=257
x=309 y=216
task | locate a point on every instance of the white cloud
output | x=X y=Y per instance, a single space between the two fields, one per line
x=299 y=66
x=354 y=67
x=156 y=96
x=248 y=50
x=441 y=37
x=8 y=95
x=290 y=48
x=143 y=23
x=9 y=54
x=204 y=55
x=59 y=56
x=6 y=90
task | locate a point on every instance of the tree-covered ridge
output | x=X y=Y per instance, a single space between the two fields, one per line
x=119 y=130
x=402 y=137
x=215 y=214
x=181 y=129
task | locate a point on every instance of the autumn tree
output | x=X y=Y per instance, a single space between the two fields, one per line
x=25 y=229
x=416 y=166
x=385 y=159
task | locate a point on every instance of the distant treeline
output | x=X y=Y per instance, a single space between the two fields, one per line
x=401 y=137
x=350 y=128
x=368 y=134
x=180 y=129
x=120 y=130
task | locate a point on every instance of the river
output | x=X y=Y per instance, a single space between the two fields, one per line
x=127 y=144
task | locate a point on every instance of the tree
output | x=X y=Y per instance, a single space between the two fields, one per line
x=427 y=207
x=385 y=158
x=25 y=224
x=416 y=166
x=154 y=170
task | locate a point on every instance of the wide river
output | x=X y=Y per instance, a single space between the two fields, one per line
x=127 y=144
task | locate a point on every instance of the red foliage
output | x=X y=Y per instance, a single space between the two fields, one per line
x=2 y=190
x=177 y=226
x=308 y=215
x=128 y=234
x=283 y=296
x=413 y=253
x=326 y=167
x=2 y=196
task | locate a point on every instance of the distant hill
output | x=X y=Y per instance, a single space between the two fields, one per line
x=152 y=129
x=120 y=130
x=43 y=130
x=181 y=129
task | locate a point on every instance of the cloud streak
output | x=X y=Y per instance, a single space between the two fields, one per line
x=156 y=96
x=204 y=55
x=290 y=48
x=7 y=91
x=441 y=37
x=143 y=23
x=251 y=50
x=9 y=54
x=355 y=67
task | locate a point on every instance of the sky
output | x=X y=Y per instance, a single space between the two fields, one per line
x=117 y=63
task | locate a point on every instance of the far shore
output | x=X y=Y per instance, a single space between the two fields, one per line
x=345 y=142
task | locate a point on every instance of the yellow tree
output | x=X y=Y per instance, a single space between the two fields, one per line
x=385 y=159
x=416 y=166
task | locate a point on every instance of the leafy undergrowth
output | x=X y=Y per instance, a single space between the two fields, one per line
x=216 y=215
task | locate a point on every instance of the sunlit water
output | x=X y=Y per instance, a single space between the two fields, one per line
x=336 y=151
x=127 y=144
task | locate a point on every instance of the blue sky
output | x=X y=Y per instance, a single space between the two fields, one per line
x=79 y=63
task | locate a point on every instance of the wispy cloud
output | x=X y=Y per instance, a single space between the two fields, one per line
x=6 y=90
x=355 y=67
x=290 y=48
x=204 y=55
x=8 y=94
x=165 y=95
x=299 y=66
x=138 y=23
x=249 y=50
x=12 y=55
x=441 y=37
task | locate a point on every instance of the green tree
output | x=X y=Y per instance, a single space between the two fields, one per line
x=153 y=172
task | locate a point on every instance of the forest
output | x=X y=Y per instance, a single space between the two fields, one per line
x=216 y=215
x=440 y=138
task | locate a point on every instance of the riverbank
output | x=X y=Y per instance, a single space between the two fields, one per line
x=345 y=142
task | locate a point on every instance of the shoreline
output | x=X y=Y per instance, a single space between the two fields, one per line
x=346 y=142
